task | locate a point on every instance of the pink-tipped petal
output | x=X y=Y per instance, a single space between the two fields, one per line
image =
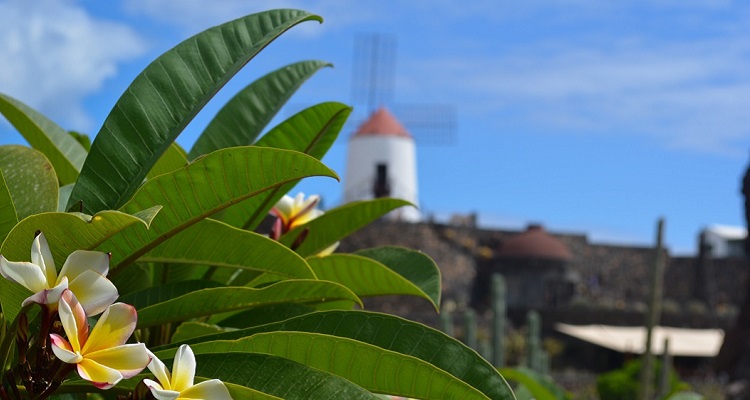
x=84 y=260
x=94 y=291
x=101 y=376
x=48 y=296
x=24 y=273
x=42 y=256
x=160 y=371
x=113 y=328
x=128 y=359
x=159 y=392
x=213 y=389
x=71 y=322
x=63 y=350
x=183 y=368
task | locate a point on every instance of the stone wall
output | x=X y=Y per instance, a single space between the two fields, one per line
x=612 y=277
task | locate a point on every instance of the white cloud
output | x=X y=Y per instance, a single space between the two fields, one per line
x=54 y=54
x=687 y=95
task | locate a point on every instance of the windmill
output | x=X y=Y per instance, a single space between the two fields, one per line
x=381 y=159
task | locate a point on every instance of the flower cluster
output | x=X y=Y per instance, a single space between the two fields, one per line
x=297 y=211
x=100 y=354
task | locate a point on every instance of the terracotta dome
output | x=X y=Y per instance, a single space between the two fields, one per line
x=382 y=122
x=535 y=243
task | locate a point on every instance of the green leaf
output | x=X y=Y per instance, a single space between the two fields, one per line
x=62 y=150
x=395 y=334
x=140 y=276
x=311 y=131
x=11 y=297
x=215 y=243
x=340 y=222
x=212 y=301
x=374 y=368
x=190 y=330
x=242 y=392
x=242 y=118
x=266 y=315
x=277 y=376
x=30 y=179
x=67 y=232
x=63 y=196
x=164 y=98
x=367 y=277
x=82 y=139
x=172 y=159
x=8 y=217
x=154 y=295
x=202 y=188
x=532 y=382
x=415 y=266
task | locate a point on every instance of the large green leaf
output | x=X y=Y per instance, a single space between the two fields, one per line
x=242 y=118
x=154 y=295
x=164 y=98
x=189 y=330
x=215 y=243
x=391 y=333
x=217 y=300
x=414 y=266
x=278 y=377
x=172 y=159
x=374 y=368
x=202 y=188
x=30 y=179
x=8 y=217
x=367 y=277
x=338 y=223
x=533 y=382
x=11 y=297
x=62 y=150
x=266 y=315
x=67 y=232
x=63 y=196
x=311 y=131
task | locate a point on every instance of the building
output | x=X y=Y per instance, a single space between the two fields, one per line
x=382 y=162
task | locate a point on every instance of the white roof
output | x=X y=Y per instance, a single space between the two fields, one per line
x=729 y=232
x=632 y=339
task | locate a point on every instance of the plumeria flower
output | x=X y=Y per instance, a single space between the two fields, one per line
x=83 y=272
x=179 y=384
x=292 y=212
x=101 y=355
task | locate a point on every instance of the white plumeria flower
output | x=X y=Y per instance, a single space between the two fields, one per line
x=179 y=384
x=296 y=211
x=83 y=273
x=102 y=356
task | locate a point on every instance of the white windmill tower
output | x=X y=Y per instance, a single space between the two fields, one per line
x=382 y=158
x=382 y=162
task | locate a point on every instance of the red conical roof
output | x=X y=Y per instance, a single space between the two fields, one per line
x=535 y=243
x=382 y=122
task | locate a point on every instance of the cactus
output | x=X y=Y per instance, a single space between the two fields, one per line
x=470 y=330
x=534 y=341
x=498 y=320
x=446 y=322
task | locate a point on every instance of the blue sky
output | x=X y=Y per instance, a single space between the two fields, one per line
x=588 y=117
